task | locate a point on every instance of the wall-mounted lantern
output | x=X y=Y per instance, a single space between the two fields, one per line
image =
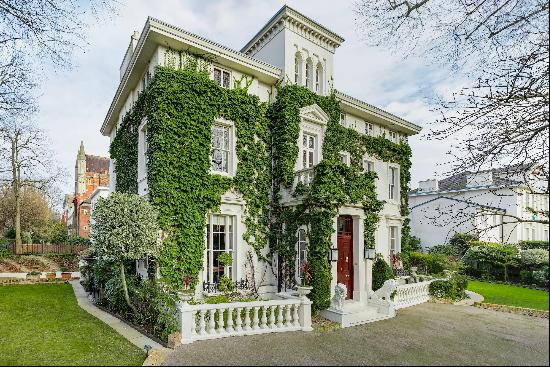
x=370 y=253
x=333 y=254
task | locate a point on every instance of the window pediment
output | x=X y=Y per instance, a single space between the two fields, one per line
x=315 y=114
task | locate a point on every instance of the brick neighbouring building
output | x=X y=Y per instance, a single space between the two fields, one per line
x=91 y=171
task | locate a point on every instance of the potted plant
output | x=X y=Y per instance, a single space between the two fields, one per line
x=225 y=284
x=188 y=290
x=50 y=275
x=65 y=274
x=305 y=288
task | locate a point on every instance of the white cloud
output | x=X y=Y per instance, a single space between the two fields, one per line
x=74 y=103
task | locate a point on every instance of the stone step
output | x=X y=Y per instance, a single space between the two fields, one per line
x=354 y=314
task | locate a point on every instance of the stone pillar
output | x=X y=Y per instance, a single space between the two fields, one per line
x=369 y=277
x=304 y=314
x=185 y=318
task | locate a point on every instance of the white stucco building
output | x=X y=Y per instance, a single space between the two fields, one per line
x=290 y=48
x=491 y=203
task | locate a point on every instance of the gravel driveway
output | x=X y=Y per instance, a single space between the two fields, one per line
x=428 y=334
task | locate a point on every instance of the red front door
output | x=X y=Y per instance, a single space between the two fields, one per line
x=345 y=253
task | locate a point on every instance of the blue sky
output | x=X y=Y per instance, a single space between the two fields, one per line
x=73 y=103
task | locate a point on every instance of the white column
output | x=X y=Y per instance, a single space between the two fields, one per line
x=186 y=322
x=359 y=293
x=304 y=313
x=369 y=277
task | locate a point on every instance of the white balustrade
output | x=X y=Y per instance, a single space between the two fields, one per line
x=210 y=321
x=411 y=294
x=305 y=176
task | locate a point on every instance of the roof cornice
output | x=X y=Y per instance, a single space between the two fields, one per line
x=153 y=25
x=363 y=106
x=288 y=16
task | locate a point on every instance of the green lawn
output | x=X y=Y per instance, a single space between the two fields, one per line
x=502 y=294
x=43 y=325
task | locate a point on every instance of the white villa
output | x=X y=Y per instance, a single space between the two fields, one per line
x=290 y=48
x=489 y=203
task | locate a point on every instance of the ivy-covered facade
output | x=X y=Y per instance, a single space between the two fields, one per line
x=255 y=154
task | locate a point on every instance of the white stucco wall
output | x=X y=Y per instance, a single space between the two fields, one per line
x=453 y=217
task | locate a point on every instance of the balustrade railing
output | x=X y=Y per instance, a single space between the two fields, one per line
x=212 y=321
x=411 y=294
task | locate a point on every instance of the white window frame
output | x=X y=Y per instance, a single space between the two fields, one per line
x=397 y=248
x=142 y=151
x=368 y=165
x=394 y=137
x=369 y=129
x=230 y=245
x=317 y=80
x=343 y=119
x=345 y=158
x=393 y=183
x=232 y=159
x=308 y=154
x=301 y=252
x=297 y=68
x=223 y=73
x=309 y=74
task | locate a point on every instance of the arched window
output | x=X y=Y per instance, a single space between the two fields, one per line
x=319 y=79
x=309 y=74
x=298 y=68
x=301 y=253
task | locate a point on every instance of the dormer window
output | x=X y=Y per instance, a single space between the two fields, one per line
x=222 y=77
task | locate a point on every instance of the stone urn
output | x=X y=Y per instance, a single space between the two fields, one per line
x=304 y=290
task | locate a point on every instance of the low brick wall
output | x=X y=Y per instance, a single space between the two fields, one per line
x=513 y=309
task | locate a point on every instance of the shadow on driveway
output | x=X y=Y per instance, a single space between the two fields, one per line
x=428 y=334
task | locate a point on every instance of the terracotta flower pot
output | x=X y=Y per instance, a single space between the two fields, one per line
x=50 y=275
x=66 y=276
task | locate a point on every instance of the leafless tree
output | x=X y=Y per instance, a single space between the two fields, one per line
x=500 y=118
x=49 y=29
x=25 y=161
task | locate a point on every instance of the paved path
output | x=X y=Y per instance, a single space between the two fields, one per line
x=428 y=334
x=134 y=336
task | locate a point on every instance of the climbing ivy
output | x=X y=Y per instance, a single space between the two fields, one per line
x=334 y=184
x=180 y=105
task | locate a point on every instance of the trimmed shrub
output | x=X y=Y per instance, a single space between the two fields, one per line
x=491 y=260
x=461 y=242
x=534 y=257
x=540 y=277
x=451 y=289
x=429 y=263
x=526 y=276
x=447 y=250
x=381 y=272
x=525 y=245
